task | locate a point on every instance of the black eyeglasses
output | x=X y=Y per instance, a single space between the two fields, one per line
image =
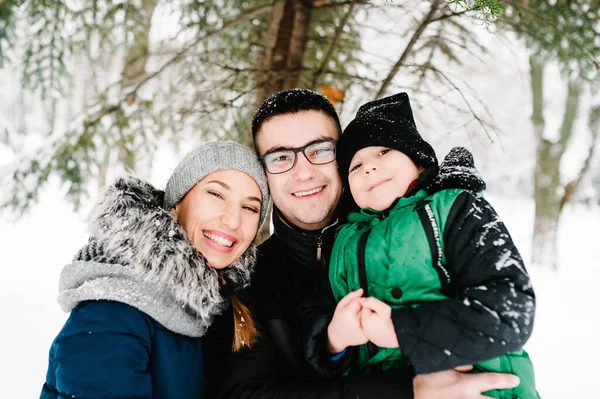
x=317 y=153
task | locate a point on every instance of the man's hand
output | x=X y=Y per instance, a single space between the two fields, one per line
x=376 y=320
x=454 y=384
x=344 y=329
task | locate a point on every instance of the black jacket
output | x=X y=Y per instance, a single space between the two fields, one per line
x=286 y=270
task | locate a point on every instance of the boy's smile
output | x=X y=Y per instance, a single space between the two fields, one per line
x=379 y=183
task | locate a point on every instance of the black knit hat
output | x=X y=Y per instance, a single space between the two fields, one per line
x=387 y=122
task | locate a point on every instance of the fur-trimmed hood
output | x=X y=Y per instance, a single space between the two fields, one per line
x=139 y=254
x=456 y=171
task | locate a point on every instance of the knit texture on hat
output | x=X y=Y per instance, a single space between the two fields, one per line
x=211 y=157
x=387 y=122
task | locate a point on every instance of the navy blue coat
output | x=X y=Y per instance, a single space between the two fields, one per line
x=108 y=350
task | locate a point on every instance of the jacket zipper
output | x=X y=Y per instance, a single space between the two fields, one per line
x=362 y=278
x=362 y=270
x=319 y=246
x=320 y=243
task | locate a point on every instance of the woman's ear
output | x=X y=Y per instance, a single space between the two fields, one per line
x=173 y=212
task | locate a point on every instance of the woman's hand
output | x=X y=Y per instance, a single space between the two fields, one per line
x=345 y=328
x=376 y=321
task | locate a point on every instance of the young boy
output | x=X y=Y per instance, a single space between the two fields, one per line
x=424 y=273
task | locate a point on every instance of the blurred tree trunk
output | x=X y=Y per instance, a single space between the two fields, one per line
x=548 y=190
x=285 y=44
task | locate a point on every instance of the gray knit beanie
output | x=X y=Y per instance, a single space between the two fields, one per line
x=211 y=157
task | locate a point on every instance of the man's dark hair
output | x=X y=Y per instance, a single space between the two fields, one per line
x=290 y=102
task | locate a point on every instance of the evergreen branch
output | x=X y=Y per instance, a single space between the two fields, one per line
x=304 y=69
x=334 y=43
x=323 y=6
x=416 y=35
x=489 y=10
x=550 y=22
x=352 y=76
x=450 y=15
x=251 y=13
x=106 y=110
x=463 y=46
x=479 y=120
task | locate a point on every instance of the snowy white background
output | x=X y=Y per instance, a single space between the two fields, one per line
x=563 y=346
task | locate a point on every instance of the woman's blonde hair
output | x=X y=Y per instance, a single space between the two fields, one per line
x=245 y=333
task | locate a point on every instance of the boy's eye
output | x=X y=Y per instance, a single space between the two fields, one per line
x=353 y=168
x=383 y=152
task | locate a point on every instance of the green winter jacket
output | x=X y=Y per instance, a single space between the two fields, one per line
x=387 y=253
x=445 y=263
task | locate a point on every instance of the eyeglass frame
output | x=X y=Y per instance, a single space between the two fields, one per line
x=295 y=151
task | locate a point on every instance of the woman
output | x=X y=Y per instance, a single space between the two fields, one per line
x=158 y=267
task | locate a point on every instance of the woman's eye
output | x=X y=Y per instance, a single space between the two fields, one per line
x=352 y=169
x=251 y=209
x=216 y=194
x=383 y=152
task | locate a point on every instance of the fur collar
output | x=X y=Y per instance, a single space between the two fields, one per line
x=130 y=228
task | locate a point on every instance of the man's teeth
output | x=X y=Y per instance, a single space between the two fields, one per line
x=218 y=239
x=305 y=193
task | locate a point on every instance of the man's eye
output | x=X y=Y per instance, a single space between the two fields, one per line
x=280 y=158
x=320 y=151
x=383 y=152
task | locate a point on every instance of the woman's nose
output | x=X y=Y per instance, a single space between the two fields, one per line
x=231 y=217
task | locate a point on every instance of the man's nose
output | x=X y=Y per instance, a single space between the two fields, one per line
x=303 y=169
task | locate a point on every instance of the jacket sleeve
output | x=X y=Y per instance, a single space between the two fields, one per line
x=259 y=374
x=103 y=351
x=316 y=312
x=493 y=309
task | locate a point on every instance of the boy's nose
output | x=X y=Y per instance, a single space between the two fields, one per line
x=370 y=168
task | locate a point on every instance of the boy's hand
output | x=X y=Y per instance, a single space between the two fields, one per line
x=344 y=329
x=376 y=320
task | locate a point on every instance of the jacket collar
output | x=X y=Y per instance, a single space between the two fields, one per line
x=303 y=245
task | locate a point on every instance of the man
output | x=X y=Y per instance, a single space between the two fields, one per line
x=294 y=134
